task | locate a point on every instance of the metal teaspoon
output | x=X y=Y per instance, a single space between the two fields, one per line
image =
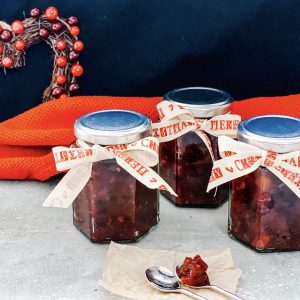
x=164 y=280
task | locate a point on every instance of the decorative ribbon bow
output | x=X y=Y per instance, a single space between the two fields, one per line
x=135 y=158
x=176 y=121
x=239 y=159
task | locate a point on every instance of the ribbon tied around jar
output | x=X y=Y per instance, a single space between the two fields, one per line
x=136 y=158
x=176 y=121
x=239 y=159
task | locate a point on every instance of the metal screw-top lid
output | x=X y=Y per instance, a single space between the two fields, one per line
x=271 y=132
x=203 y=102
x=111 y=127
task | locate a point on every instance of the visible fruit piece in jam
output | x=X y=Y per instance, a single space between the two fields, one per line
x=264 y=212
x=114 y=205
x=185 y=164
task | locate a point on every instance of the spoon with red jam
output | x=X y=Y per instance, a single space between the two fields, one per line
x=165 y=281
x=192 y=273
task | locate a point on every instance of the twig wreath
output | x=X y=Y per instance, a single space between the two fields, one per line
x=61 y=34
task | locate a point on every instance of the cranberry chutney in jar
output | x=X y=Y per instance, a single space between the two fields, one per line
x=185 y=162
x=114 y=205
x=264 y=213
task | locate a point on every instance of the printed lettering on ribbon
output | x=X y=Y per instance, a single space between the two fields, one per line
x=239 y=159
x=176 y=121
x=135 y=158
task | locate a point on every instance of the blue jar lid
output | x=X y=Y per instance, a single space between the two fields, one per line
x=271 y=132
x=111 y=127
x=203 y=102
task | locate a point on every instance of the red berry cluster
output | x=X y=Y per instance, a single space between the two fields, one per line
x=67 y=49
x=17 y=27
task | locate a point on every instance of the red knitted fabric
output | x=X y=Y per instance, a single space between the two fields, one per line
x=26 y=140
x=283 y=105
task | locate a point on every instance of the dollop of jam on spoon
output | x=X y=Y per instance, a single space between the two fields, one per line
x=193 y=272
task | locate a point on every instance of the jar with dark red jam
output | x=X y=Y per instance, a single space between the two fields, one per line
x=185 y=163
x=263 y=212
x=114 y=205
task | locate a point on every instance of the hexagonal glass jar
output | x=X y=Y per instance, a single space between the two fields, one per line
x=185 y=163
x=114 y=205
x=264 y=213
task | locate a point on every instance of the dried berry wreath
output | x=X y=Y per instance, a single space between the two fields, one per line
x=61 y=34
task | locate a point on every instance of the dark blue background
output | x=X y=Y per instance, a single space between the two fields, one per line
x=147 y=47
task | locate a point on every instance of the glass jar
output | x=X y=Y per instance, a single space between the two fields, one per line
x=114 y=205
x=185 y=162
x=263 y=212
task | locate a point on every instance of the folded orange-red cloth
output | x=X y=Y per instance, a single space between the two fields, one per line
x=26 y=140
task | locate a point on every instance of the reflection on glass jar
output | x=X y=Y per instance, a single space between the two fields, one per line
x=114 y=205
x=264 y=213
x=185 y=162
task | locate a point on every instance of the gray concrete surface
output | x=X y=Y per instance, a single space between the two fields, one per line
x=42 y=256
